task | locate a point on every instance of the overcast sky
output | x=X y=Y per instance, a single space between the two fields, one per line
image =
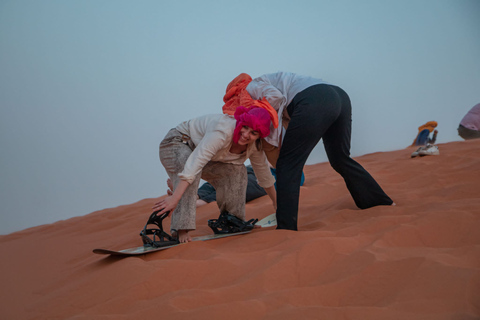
x=89 y=88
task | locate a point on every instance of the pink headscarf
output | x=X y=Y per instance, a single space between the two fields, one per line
x=256 y=118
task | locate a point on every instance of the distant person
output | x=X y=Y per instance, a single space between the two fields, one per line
x=213 y=147
x=310 y=110
x=469 y=127
x=423 y=136
x=427 y=144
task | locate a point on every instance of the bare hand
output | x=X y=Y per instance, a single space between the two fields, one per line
x=171 y=201
x=167 y=204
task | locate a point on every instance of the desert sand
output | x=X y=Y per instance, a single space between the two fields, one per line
x=419 y=259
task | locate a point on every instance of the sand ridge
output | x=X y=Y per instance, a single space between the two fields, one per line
x=417 y=260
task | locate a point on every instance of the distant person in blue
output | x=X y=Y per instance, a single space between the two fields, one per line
x=423 y=136
x=423 y=140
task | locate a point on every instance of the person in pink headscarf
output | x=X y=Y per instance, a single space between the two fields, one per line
x=214 y=148
x=469 y=127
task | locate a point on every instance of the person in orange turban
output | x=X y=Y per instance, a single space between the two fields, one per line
x=424 y=131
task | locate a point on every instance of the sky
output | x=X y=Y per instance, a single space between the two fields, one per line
x=89 y=88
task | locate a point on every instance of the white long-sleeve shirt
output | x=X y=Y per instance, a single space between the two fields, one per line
x=212 y=136
x=279 y=89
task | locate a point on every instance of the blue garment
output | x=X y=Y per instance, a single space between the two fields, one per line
x=422 y=138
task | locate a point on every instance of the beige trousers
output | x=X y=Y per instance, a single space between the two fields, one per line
x=229 y=180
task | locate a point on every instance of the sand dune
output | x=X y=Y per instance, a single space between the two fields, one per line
x=417 y=260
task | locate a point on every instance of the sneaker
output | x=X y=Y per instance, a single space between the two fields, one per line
x=430 y=150
x=416 y=153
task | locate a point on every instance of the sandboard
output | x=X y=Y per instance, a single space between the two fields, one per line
x=268 y=221
x=144 y=250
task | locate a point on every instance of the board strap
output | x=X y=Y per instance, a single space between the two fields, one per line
x=228 y=223
x=160 y=237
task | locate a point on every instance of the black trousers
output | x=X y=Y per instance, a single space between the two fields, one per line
x=320 y=111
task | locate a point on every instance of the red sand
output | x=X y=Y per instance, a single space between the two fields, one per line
x=417 y=260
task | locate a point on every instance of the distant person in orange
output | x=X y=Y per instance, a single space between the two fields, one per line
x=427 y=147
x=423 y=136
x=469 y=127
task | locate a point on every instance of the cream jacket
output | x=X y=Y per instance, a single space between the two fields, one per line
x=212 y=136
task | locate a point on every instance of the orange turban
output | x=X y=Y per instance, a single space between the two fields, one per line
x=430 y=125
x=237 y=96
